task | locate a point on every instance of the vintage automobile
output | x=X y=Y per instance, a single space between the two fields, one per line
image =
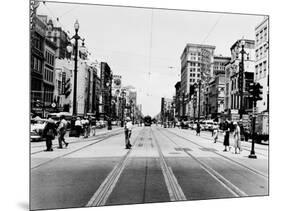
x=36 y=128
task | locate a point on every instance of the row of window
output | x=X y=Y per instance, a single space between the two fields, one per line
x=194 y=75
x=36 y=64
x=49 y=58
x=261 y=52
x=193 y=64
x=37 y=43
x=49 y=75
x=261 y=69
x=261 y=36
x=193 y=80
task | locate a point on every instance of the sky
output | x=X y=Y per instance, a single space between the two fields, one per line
x=145 y=45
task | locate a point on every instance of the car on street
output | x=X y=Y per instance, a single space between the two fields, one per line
x=36 y=129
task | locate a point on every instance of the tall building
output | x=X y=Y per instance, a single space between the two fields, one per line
x=37 y=64
x=262 y=63
x=178 y=100
x=58 y=36
x=106 y=88
x=49 y=75
x=196 y=64
x=232 y=103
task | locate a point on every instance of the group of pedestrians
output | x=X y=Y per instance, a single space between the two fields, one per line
x=51 y=130
x=233 y=128
x=82 y=127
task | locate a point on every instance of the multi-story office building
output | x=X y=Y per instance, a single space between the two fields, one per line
x=196 y=64
x=106 y=89
x=178 y=100
x=58 y=36
x=232 y=93
x=262 y=63
x=37 y=65
x=49 y=75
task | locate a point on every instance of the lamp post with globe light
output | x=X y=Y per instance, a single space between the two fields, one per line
x=76 y=37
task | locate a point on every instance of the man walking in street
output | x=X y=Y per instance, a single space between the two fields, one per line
x=62 y=130
x=49 y=133
x=198 y=129
x=128 y=132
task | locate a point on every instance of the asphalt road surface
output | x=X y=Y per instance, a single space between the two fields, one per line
x=164 y=164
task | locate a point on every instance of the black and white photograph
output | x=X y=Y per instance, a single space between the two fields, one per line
x=135 y=105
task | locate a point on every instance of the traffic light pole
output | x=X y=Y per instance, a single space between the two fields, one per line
x=252 y=154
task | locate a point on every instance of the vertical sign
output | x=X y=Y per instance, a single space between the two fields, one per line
x=63 y=83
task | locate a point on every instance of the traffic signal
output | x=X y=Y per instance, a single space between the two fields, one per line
x=255 y=90
x=258 y=92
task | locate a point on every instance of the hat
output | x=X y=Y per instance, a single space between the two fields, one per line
x=128 y=119
x=235 y=123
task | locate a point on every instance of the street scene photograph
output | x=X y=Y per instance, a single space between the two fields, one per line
x=133 y=105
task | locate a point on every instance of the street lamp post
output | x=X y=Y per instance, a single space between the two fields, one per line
x=123 y=107
x=241 y=75
x=76 y=37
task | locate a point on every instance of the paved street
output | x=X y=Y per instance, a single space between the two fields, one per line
x=164 y=164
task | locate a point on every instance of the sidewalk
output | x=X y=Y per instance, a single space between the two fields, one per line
x=39 y=146
x=208 y=135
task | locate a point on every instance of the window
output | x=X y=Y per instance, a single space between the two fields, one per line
x=198 y=75
x=257 y=71
x=257 y=54
x=261 y=52
x=265 y=34
x=257 y=38
x=264 y=68
x=261 y=35
x=265 y=49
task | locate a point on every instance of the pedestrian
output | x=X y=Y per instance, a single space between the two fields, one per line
x=237 y=138
x=215 y=133
x=128 y=132
x=226 y=136
x=62 y=131
x=78 y=127
x=86 y=127
x=198 y=129
x=49 y=133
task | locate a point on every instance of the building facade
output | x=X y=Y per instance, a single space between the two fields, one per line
x=232 y=102
x=196 y=64
x=262 y=63
x=37 y=65
x=49 y=76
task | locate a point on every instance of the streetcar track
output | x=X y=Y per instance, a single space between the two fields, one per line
x=105 y=189
x=237 y=192
x=174 y=189
x=225 y=157
x=71 y=152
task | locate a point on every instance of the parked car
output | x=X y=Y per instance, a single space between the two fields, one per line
x=36 y=129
